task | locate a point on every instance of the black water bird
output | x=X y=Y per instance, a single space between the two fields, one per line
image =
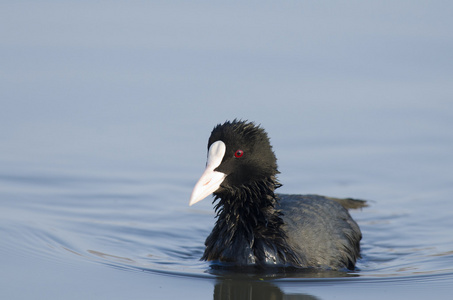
x=259 y=228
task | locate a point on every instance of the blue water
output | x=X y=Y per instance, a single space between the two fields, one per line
x=105 y=113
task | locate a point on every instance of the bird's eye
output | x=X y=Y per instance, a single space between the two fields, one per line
x=238 y=153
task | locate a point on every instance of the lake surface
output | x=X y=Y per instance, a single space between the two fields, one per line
x=106 y=109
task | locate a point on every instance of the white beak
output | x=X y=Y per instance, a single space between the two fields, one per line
x=210 y=180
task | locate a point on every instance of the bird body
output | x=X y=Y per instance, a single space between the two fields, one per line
x=322 y=230
x=257 y=227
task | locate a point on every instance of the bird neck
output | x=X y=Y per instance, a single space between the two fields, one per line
x=249 y=227
x=251 y=203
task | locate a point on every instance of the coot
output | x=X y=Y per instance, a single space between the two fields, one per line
x=257 y=227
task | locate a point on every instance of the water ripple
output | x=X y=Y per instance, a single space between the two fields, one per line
x=136 y=232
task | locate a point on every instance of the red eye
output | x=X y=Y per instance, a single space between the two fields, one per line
x=238 y=153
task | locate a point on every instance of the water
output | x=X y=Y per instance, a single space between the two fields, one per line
x=106 y=111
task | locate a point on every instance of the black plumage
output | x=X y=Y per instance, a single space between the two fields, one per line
x=257 y=227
